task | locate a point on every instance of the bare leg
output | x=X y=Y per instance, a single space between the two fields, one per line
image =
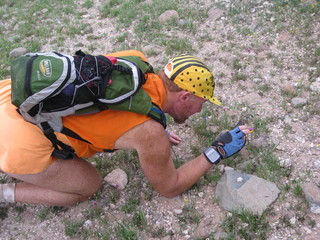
x=65 y=182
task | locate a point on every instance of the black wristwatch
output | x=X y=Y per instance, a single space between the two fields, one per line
x=212 y=155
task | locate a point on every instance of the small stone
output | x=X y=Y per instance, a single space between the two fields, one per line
x=260 y=142
x=117 y=178
x=298 y=102
x=293 y=221
x=177 y=211
x=227 y=168
x=203 y=231
x=286 y=163
x=215 y=14
x=184 y=22
x=287 y=120
x=221 y=168
x=168 y=15
x=315 y=86
x=312 y=194
x=87 y=224
x=239 y=179
x=17 y=52
x=221 y=236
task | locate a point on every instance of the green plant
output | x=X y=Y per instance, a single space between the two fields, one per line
x=43 y=214
x=139 y=219
x=131 y=204
x=94 y=212
x=297 y=189
x=178 y=46
x=20 y=209
x=189 y=214
x=88 y=4
x=239 y=76
x=126 y=232
x=3 y=213
x=246 y=225
x=237 y=64
x=73 y=227
x=264 y=88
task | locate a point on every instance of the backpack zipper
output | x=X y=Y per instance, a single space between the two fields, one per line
x=65 y=80
x=28 y=75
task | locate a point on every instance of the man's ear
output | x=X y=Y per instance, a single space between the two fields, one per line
x=185 y=95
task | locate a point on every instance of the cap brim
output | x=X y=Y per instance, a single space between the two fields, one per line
x=215 y=101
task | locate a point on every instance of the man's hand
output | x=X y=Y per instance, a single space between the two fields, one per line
x=231 y=142
x=174 y=138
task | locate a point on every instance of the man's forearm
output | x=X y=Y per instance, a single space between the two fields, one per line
x=189 y=173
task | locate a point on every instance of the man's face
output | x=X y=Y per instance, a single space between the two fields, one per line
x=184 y=109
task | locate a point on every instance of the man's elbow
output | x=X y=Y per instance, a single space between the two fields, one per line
x=169 y=194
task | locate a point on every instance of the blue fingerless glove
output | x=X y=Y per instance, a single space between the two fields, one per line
x=229 y=143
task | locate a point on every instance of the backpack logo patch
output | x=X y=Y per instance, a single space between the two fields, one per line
x=46 y=67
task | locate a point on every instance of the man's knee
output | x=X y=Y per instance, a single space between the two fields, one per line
x=93 y=186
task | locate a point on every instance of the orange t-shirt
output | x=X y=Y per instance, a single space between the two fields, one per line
x=32 y=153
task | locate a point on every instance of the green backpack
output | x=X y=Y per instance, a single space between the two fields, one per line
x=48 y=86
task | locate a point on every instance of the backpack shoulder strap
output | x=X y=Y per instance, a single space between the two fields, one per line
x=61 y=150
x=144 y=66
x=158 y=115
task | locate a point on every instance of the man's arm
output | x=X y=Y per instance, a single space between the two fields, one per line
x=153 y=147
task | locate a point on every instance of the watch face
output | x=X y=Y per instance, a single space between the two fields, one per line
x=212 y=155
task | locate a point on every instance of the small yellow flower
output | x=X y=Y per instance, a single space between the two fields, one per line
x=186 y=200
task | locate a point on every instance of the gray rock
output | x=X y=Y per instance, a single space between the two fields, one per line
x=117 y=178
x=168 y=15
x=203 y=231
x=298 y=102
x=87 y=224
x=184 y=22
x=252 y=98
x=315 y=86
x=260 y=142
x=317 y=106
x=312 y=194
x=17 y=52
x=285 y=36
x=215 y=14
x=153 y=48
x=286 y=163
x=238 y=190
x=221 y=236
x=18 y=24
x=287 y=120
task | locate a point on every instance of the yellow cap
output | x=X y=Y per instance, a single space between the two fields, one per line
x=190 y=74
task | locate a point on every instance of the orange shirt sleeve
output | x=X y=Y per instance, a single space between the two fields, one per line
x=128 y=53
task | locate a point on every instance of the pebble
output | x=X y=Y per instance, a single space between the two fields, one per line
x=117 y=178
x=239 y=179
x=286 y=163
x=293 y=221
x=298 y=102
x=17 y=52
x=177 y=211
x=185 y=232
x=87 y=224
x=168 y=15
